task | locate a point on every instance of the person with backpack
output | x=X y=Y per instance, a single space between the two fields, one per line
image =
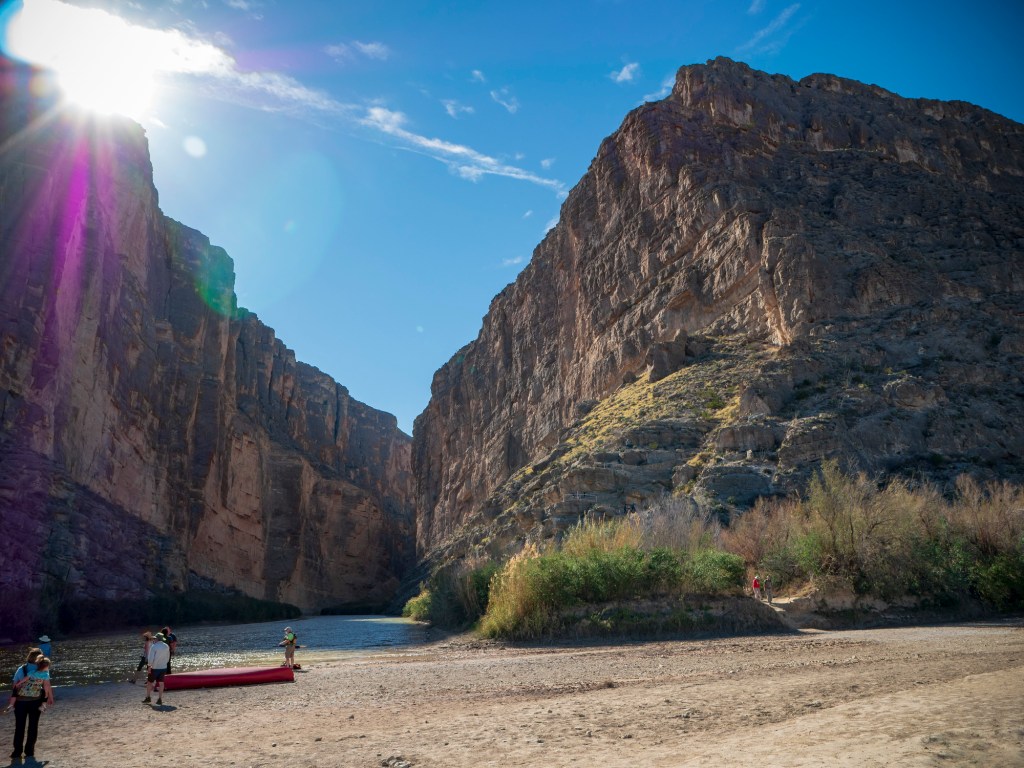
x=172 y=643
x=34 y=695
x=147 y=640
x=290 y=643
x=20 y=674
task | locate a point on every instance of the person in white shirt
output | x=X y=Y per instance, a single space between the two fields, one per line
x=159 y=658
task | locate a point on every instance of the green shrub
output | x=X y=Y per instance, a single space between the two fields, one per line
x=713 y=572
x=418 y=608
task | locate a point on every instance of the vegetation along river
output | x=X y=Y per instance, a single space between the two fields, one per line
x=113 y=657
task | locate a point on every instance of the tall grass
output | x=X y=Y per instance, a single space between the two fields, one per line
x=887 y=541
x=598 y=562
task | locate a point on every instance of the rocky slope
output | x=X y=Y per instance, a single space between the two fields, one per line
x=153 y=434
x=754 y=274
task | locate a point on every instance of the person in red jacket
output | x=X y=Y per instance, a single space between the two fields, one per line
x=756 y=584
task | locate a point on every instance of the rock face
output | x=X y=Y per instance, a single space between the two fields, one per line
x=754 y=274
x=151 y=432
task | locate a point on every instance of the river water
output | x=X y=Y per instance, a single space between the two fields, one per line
x=113 y=657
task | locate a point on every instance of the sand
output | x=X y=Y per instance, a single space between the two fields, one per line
x=912 y=696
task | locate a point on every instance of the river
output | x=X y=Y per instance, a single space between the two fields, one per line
x=110 y=658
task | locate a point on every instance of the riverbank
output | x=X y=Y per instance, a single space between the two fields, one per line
x=948 y=694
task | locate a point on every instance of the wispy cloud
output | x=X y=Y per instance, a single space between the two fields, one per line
x=547 y=162
x=756 y=7
x=627 y=74
x=506 y=99
x=512 y=262
x=356 y=48
x=463 y=160
x=552 y=223
x=528 y=214
x=239 y=5
x=454 y=109
x=666 y=88
x=477 y=76
x=773 y=38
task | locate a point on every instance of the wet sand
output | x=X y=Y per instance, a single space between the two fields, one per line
x=912 y=696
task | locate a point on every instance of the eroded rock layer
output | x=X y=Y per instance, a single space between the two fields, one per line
x=754 y=274
x=150 y=430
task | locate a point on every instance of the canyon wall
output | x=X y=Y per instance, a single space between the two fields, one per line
x=152 y=433
x=754 y=274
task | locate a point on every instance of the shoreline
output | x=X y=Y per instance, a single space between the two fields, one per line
x=901 y=695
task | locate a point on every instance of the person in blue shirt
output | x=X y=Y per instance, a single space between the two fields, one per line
x=34 y=654
x=45 y=647
x=34 y=694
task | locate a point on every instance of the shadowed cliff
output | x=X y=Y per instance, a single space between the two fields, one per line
x=153 y=435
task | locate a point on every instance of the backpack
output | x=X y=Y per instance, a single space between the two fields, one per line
x=31 y=688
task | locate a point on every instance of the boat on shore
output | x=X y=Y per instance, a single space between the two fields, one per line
x=214 y=678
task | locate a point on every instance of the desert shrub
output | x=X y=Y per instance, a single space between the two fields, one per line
x=418 y=607
x=713 y=572
x=678 y=524
x=590 y=535
x=454 y=596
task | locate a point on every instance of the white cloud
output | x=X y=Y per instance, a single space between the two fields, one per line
x=238 y=5
x=528 y=214
x=477 y=76
x=550 y=225
x=454 y=109
x=665 y=90
x=756 y=7
x=627 y=74
x=356 y=48
x=462 y=160
x=547 y=162
x=512 y=262
x=506 y=99
x=773 y=38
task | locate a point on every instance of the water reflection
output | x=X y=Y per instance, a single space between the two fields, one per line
x=113 y=657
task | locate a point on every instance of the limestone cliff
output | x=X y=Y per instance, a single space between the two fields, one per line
x=151 y=432
x=754 y=274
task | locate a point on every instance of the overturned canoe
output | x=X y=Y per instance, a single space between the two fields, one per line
x=210 y=678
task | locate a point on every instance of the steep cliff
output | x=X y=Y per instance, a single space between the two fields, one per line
x=754 y=274
x=151 y=432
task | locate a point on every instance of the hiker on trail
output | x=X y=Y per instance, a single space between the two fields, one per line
x=34 y=695
x=147 y=641
x=159 y=660
x=290 y=643
x=767 y=586
x=756 y=585
x=45 y=647
x=172 y=643
x=34 y=654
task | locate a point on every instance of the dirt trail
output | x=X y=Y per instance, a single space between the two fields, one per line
x=921 y=696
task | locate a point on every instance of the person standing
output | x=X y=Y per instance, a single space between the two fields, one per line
x=34 y=654
x=756 y=586
x=147 y=640
x=159 y=659
x=34 y=692
x=290 y=641
x=45 y=647
x=767 y=587
x=172 y=643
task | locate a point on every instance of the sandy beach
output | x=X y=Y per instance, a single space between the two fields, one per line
x=912 y=696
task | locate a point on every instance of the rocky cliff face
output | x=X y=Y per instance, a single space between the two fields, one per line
x=754 y=274
x=150 y=430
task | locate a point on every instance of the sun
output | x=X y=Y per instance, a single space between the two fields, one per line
x=101 y=62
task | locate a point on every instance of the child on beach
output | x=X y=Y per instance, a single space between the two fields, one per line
x=147 y=640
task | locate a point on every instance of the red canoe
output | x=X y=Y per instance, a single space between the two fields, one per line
x=209 y=678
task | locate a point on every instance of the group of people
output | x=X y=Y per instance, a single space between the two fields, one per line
x=762 y=587
x=157 y=653
x=31 y=694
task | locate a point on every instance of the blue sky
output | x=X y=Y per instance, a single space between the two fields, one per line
x=379 y=171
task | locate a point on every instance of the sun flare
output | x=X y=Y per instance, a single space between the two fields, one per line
x=101 y=62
